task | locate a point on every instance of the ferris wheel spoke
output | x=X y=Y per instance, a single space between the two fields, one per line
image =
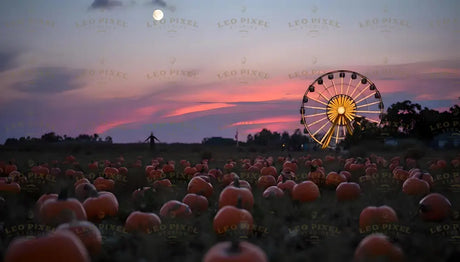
x=337 y=136
x=333 y=85
x=362 y=91
x=315 y=107
x=369 y=95
x=319 y=129
x=327 y=137
x=341 y=85
x=317 y=121
x=325 y=98
x=316 y=100
x=348 y=87
x=368 y=111
x=356 y=87
x=368 y=104
x=313 y=115
x=369 y=119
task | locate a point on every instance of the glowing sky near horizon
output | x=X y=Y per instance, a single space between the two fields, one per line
x=211 y=67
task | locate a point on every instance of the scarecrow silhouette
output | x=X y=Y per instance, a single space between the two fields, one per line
x=152 y=139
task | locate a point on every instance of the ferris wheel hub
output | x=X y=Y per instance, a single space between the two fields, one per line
x=341 y=110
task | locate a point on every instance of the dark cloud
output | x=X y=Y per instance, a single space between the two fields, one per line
x=105 y=3
x=49 y=80
x=159 y=2
x=7 y=60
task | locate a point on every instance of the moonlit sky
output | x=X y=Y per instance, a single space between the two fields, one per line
x=105 y=66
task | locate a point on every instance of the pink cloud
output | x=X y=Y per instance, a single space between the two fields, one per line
x=107 y=126
x=199 y=108
x=265 y=121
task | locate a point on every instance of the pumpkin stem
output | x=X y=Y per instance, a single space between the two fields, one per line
x=239 y=202
x=63 y=194
x=234 y=247
x=236 y=182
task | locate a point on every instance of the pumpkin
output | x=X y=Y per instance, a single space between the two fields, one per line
x=93 y=166
x=287 y=186
x=197 y=203
x=87 y=232
x=100 y=205
x=142 y=222
x=175 y=209
x=235 y=251
x=230 y=195
x=54 y=211
x=415 y=186
x=434 y=207
x=156 y=174
x=290 y=166
x=400 y=174
x=377 y=247
x=190 y=171
x=123 y=170
x=305 y=191
x=268 y=171
x=273 y=192
x=59 y=246
x=9 y=186
x=372 y=215
x=317 y=176
x=168 y=168
x=233 y=218
x=104 y=184
x=229 y=178
x=348 y=191
x=266 y=181
x=242 y=183
x=333 y=179
x=84 y=190
x=200 y=186
x=163 y=184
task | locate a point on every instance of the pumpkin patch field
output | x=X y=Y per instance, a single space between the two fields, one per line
x=222 y=203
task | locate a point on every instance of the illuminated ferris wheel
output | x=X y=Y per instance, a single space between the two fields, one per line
x=334 y=101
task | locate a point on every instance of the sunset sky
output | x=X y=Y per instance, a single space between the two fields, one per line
x=211 y=67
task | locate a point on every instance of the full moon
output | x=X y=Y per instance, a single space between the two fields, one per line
x=157 y=14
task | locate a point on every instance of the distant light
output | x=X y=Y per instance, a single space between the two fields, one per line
x=158 y=14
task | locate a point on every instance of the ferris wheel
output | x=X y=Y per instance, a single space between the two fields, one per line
x=334 y=102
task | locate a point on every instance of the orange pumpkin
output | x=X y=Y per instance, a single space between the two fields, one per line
x=273 y=192
x=235 y=251
x=287 y=186
x=305 y=191
x=231 y=194
x=100 y=205
x=87 y=232
x=266 y=181
x=104 y=184
x=268 y=171
x=372 y=215
x=59 y=246
x=232 y=218
x=415 y=186
x=348 y=191
x=200 y=186
x=197 y=203
x=434 y=207
x=333 y=179
x=229 y=178
x=60 y=210
x=9 y=186
x=175 y=209
x=377 y=247
x=317 y=176
x=143 y=222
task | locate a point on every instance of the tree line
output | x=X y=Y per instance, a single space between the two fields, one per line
x=52 y=137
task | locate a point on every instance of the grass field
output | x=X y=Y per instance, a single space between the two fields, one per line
x=322 y=230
